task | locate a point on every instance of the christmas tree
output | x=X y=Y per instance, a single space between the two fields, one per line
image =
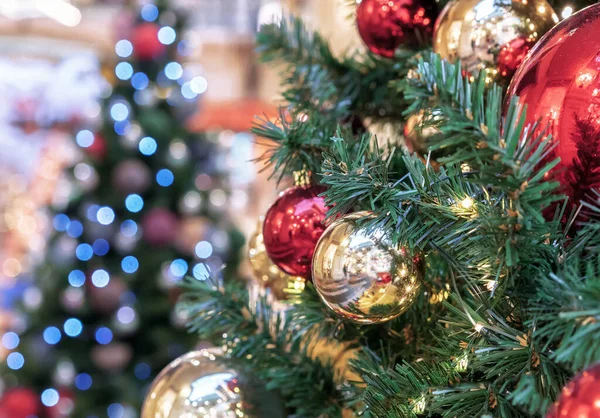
x=145 y=209
x=454 y=281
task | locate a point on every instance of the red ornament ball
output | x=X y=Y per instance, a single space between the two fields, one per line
x=580 y=398
x=292 y=227
x=144 y=39
x=384 y=25
x=65 y=406
x=160 y=227
x=97 y=150
x=559 y=81
x=19 y=403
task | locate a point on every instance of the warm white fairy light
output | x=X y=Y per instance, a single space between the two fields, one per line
x=467 y=203
x=478 y=327
x=566 y=12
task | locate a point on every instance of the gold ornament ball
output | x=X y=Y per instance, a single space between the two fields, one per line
x=198 y=385
x=491 y=35
x=267 y=274
x=418 y=134
x=361 y=275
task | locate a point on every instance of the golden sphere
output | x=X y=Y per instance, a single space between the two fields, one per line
x=268 y=274
x=418 y=134
x=491 y=35
x=198 y=385
x=361 y=275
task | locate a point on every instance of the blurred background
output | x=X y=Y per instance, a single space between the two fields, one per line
x=124 y=136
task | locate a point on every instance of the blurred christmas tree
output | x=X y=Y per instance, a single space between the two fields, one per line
x=146 y=209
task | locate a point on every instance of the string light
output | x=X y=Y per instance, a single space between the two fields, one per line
x=167 y=35
x=566 y=12
x=124 y=48
x=467 y=203
x=83 y=381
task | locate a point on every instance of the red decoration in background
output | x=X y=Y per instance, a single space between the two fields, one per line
x=384 y=25
x=98 y=148
x=580 y=398
x=559 y=81
x=160 y=227
x=19 y=403
x=64 y=407
x=512 y=54
x=144 y=39
x=292 y=227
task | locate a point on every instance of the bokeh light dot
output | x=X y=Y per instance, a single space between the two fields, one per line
x=84 y=138
x=124 y=71
x=105 y=215
x=76 y=278
x=60 y=222
x=73 y=327
x=83 y=381
x=173 y=70
x=124 y=48
x=178 y=268
x=147 y=145
x=142 y=371
x=100 y=278
x=199 y=85
x=187 y=91
x=203 y=249
x=149 y=12
x=50 y=397
x=201 y=272
x=101 y=247
x=165 y=177
x=84 y=252
x=119 y=112
x=126 y=315
x=15 y=361
x=129 y=228
x=167 y=35
x=115 y=410
x=130 y=264
x=104 y=335
x=52 y=335
x=140 y=81
x=134 y=203
x=75 y=229
x=10 y=340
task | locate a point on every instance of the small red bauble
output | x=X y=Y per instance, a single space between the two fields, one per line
x=160 y=227
x=64 y=407
x=144 y=39
x=559 y=81
x=384 y=25
x=512 y=54
x=292 y=227
x=98 y=148
x=580 y=398
x=19 y=403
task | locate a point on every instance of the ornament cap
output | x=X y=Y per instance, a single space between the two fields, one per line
x=302 y=177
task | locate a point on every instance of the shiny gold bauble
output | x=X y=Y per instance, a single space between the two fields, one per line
x=268 y=274
x=491 y=35
x=418 y=134
x=361 y=275
x=198 y=385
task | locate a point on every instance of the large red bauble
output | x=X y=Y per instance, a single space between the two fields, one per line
x=580 y=398
x=292 y=227
x=19 y=403
x=160 y=227
x=559 y=81
x=384 y=25
x=144 y=39
x=64 y=407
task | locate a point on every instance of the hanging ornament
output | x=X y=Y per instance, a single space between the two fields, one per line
x=266 y=273
x=559 y=83
x=490 y=35
x=384 y=25
x=65 y=406
x=293 y=225
x=97 y=150
x=146 y=45
x=159 y=227
x=131 y=176
x=198 y=385
x=19 y=403
x=361 y=276
x=580 y=397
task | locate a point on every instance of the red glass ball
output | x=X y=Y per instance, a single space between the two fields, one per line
x=19 y=403
x=160 y=227
x=292 y=227
x=580 y=398
x=98 y=148
x=559 y=81
x=384 y=25
x=144 y=39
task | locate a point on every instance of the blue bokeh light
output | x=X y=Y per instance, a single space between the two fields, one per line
x=105 y=215
x=147 y=145
x=104 y=335
x=140 y=81
x=83 y=381
x=101 y=247
x=124 y=48
x=129 y=228
x=167 y=35
x=126 y=315
x=130 y=264
x=15 y=361
x=178 y=268
x=84 y=252
x=76 y=278
x=142 y=371
x=200 y=272
x=165 y=177
x=134 y=203
x=50 y=397
x=115 y=410
x=149 y=12
x=84 y=138
x=61 y=222
x=92 y=211
x=75 y=229
x=10 y=340
x=52 y=335
x=203 y=249
x=187 y=91
x=100 y=278
x=122 y=127
x=124 y=71
x=119 y=111
x=73 y=327
x=173 y=70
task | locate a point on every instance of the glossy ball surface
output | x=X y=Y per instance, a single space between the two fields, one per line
x=580 y=397
x=384 y=25
x=146 y=45
x=490 y=35
x=293 y=225
x=361 y=275
x=560 y=84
